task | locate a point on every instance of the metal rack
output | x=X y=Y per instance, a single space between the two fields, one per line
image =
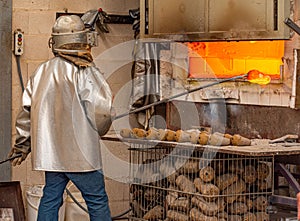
x=188 y=182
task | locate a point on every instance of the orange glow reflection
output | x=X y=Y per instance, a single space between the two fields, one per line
x=229 y=59
x=257 y=77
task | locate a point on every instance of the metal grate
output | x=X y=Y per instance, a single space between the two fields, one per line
x=186 y=184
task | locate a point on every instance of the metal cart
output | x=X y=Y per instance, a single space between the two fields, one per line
x=183 y=181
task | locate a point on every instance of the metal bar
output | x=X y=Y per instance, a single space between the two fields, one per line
x=283 y=200
x=288 y=176
x=11 y=158
x=178 y=95
x=292 y=25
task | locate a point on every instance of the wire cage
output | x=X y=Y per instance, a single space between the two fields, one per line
x=180 y=183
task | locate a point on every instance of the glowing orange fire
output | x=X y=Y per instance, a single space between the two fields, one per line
x=257 y=77
x=229 y=59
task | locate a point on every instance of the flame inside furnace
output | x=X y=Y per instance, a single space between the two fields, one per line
x=209 y=60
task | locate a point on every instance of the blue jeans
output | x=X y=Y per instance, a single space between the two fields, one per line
x=91 y=186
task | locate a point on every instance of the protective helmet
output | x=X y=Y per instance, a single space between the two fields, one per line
x=69 y=34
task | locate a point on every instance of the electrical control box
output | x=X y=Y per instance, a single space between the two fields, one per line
x=18 y=42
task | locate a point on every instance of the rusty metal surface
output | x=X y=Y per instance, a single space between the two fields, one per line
x=246 y=120
x=266 y=122
x=5 y=85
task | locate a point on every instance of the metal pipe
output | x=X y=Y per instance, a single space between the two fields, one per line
x=165 y=100
x=292 y=25
x=11 y=158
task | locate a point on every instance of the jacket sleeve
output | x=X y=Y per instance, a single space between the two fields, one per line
x=96 y=99
x=22 y=142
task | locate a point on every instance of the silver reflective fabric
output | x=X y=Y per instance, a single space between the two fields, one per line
x=66 y=109
x=145 y=87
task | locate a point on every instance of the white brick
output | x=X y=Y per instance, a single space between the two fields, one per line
x=36 y=47
x=74 y=6
x=114 y=6
x=41 y=22
x=32 y=66
x=20 y=20
x=31 y=4
x=132 y=4
x=94 y=4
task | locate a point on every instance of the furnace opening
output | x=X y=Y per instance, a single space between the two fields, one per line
x=209 y=60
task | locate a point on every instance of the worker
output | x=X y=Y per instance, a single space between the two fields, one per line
x=66 y=106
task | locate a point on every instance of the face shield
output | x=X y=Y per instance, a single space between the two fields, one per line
x=70 y=35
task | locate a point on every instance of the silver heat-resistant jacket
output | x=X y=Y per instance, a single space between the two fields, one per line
x=65 y=109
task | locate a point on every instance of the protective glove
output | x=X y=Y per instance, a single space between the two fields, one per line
x=17 y=150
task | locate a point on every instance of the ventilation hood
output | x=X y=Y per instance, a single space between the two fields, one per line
x=214 y=20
